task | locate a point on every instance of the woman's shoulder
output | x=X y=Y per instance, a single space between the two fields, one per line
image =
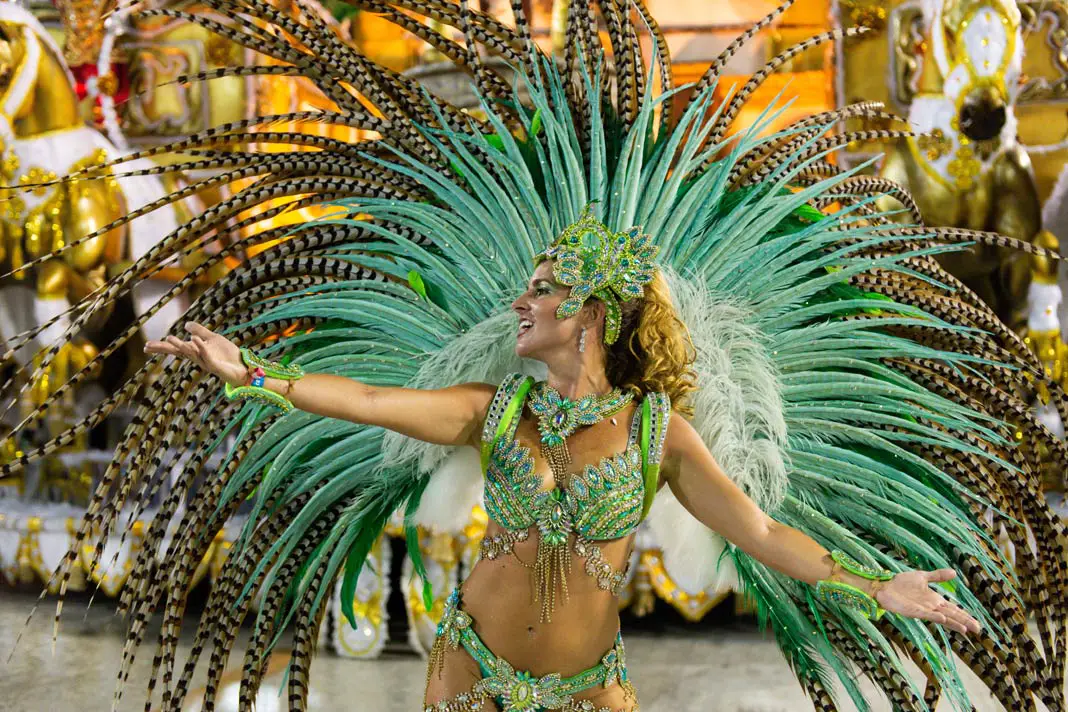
x=659 y=401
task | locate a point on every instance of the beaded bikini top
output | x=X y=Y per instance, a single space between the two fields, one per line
x=602 y=502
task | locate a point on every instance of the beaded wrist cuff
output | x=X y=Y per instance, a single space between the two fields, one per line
x=258 y=393
x=259 y=369
x=858 y=569
x=843 y=594
x=271 y=368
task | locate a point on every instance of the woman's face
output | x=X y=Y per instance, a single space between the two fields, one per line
x=540 y=332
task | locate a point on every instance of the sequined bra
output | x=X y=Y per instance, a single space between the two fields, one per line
x=603 y=502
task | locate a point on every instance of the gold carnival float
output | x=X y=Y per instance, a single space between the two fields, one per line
x=983 y=84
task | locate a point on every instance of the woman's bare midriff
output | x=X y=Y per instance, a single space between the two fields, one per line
x=498 y=595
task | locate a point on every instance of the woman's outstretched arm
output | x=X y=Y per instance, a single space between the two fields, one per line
x=701 y=486
x=445 y=416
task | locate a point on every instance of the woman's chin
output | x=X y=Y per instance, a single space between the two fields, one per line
x=522 y=348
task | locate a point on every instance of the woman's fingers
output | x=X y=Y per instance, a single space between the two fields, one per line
x=182 y=348
x=198 y=329
x=945 y=612
x=965 y=623
x=175 y=343
x=201 y=348
x=160 y=347
x=950 y=618
x=935 y=617
x=957 y=618
x=941 y=575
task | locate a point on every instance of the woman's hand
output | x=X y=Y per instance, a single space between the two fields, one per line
x=910 y=594
x=212 y=352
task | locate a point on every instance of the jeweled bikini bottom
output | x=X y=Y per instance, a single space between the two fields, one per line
x=518 y=691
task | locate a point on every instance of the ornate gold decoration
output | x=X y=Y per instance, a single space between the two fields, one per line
x=219 y=50
x=909 y=49
x=643 y=594
x=1037 y=14
x=76 y=207
x=1051 y=351
x=9 y=166
x=440 y=556
x=866 y=13
x=111 y=580
x=1047 y=344
x=36 y=175
x=369 y=608
x=158 y=110
x=108 y=84
x=964 y=167
x=9 y=452
x=935 y=144
x=83 y=22
x=28 y=555
x=1043 y=269
x=693 y=606
x=13 y=207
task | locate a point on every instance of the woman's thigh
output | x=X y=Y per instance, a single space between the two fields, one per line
x=456 y=676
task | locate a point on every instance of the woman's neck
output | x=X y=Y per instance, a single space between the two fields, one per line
x=578 y=382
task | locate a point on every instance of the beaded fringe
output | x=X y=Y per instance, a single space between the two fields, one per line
x=551 y=569
x=436 y=659
x=559 y=458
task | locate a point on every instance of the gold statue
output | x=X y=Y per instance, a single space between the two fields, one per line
x=969 y=170
x=43 y=137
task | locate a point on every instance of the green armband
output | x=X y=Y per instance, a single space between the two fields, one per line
x=858 y=569
x=258 y=393
x=844 y=594
x=258 y=369
x=272 y=368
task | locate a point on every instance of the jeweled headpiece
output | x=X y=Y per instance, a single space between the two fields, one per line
x=594 y=261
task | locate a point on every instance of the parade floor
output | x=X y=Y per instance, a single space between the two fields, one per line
x=727 y=668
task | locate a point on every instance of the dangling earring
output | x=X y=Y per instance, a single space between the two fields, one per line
x=582 y=341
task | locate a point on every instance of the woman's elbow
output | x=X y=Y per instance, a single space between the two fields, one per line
x=758 y=535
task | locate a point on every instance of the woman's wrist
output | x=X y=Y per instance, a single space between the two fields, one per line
x=233 y=380
x=854 y=585
x=868 y=586
x=265 y=381
x=279 y=385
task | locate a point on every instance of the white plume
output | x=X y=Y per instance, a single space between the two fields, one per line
x=738 y=413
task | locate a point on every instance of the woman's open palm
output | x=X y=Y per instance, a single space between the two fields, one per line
x=910 y=594
x=213 y=352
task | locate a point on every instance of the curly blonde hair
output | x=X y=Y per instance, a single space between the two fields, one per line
x=654 y=351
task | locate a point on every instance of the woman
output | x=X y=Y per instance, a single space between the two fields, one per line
x=511 y=616
x=841 y=379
